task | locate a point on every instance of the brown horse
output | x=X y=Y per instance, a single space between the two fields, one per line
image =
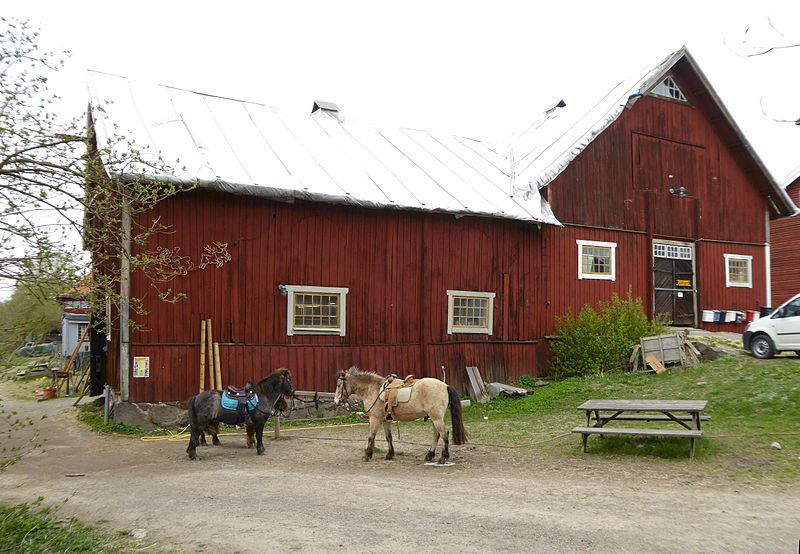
x=429 y=398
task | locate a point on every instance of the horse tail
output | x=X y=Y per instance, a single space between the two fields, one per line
x=192 y=413
x=193 y=428
x=460 y=433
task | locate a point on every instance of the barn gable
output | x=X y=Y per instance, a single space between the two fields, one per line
x=547 y=147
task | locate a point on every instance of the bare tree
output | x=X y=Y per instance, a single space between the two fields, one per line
x=771 y=34
x=54 y=187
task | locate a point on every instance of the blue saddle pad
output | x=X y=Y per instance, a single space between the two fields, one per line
x=233 y=404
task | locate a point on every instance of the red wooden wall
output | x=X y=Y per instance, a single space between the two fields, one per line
x=397 y=266
x=785 y=253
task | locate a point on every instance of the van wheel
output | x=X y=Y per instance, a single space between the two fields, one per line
x=762 y=347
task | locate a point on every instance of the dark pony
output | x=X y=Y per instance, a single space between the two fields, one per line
x=205 y=410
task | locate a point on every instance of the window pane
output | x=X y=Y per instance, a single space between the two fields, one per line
x=316 y=310
x=739 y=270
x=596 y=260
x=470 y=312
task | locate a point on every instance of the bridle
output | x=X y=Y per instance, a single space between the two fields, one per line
x=341 y=385
x=272 y=408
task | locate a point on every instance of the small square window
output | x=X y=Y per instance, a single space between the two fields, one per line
x=596 y=260
x=470 y=312
x=738 y=270
x=315 y=310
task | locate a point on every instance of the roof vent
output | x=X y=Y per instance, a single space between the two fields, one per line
x=326 y=106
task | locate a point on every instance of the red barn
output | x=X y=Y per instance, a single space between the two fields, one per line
x=317 y=243
x=785 y=251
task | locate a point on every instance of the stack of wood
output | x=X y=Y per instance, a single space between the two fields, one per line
x=655 y=353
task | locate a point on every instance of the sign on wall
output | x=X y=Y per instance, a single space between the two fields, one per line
x=141 y=366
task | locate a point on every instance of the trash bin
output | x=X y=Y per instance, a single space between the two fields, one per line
x=765 y=311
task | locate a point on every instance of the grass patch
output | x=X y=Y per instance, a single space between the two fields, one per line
x=752 y=403
x=33 y=528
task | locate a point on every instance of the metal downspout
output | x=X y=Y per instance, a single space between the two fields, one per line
x=124 y=301
x=767 y=259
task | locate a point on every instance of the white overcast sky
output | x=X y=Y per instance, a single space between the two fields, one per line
x=482 y=69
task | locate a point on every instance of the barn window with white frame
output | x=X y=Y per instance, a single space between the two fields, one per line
x=596 y=260
x=470 y=312
x=738 y=270
x=316 y=310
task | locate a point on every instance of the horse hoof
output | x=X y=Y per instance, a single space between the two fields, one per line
x=429 y=456
x=366 y=459
x=389 y=457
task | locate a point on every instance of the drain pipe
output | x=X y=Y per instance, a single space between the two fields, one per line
x=767 y=260
x=106 y=402
x=124 y=300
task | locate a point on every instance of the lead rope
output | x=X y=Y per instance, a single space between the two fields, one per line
x=383 y=388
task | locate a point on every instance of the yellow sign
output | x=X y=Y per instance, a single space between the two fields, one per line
x=141 y=366
x=684 y=283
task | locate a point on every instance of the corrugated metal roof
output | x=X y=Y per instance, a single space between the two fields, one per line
x=249 y=148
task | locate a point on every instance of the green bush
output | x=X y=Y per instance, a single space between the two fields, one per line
x=525 y=382
x=600 y=340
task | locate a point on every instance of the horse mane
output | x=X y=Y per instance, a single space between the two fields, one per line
x=356 y=371
x=280 y=372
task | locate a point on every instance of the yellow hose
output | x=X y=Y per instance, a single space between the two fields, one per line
x=183 y=435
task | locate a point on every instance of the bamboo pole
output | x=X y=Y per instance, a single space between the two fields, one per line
x=216 y=366
x=202 y=355
x=211 y=382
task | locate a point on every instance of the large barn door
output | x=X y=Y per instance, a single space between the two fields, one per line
x=674 y=176
x=673 y=282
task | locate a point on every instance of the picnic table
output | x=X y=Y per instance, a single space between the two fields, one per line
x=686 y=413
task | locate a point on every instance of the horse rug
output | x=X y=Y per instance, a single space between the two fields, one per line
x=236 y=409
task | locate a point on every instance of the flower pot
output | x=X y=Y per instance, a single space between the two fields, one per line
x=48 y=393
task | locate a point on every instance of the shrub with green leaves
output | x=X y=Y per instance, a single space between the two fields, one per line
x=598 y=341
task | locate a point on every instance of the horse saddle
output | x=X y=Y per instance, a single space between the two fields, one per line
x=400 y=390
x=238 y=403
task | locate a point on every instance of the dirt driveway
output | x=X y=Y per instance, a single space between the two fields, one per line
x=311 y=493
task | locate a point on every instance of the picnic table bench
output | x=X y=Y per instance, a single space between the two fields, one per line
x=687 y=413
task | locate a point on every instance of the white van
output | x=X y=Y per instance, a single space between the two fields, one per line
x=776 y=332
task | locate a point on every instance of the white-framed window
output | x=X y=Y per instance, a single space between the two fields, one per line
x=738 y=270
x=668 y=88
x=672 y=251
x=470 y=312
x=316 y=310
x=596 y=260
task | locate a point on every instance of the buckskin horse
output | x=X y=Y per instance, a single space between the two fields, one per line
x=206 y=410
x=429 y=398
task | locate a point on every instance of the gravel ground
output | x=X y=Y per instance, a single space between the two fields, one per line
x=311 y=493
